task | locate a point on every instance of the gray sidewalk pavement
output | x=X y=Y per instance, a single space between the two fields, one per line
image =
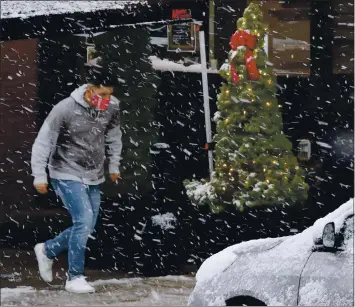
x=21 y=286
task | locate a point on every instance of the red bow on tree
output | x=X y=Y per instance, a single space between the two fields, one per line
x=243 y=38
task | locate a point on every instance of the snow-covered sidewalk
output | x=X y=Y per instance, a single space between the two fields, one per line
x=22 y=286
x=155 y=291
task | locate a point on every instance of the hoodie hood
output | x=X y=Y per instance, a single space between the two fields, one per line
x=78 y=95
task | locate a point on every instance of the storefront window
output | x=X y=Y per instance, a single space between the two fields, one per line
x=288 y=41
x=343 y=39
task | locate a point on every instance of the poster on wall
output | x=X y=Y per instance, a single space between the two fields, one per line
x=182 y=37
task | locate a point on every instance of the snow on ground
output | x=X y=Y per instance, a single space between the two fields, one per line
x=26 y=9
x=115 y=281
x=136 y=280
x=11 y=293
x=155 y=291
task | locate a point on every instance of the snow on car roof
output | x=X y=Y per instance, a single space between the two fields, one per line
x=292 y=246
x=26 y=9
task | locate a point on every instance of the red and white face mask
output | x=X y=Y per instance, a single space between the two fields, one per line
x=100 y=103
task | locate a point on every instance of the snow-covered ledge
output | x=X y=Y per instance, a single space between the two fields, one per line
x=26 y=9
x=167 y=65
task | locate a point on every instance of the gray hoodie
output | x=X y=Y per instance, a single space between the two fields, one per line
x=72 y=141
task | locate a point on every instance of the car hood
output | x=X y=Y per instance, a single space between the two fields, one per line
x=257 y=246
x=219 y=262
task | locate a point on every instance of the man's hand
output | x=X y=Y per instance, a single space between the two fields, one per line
x=41 y=188
x=115 y=177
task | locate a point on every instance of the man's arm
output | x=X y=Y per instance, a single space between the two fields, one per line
x=45 y=142
x=114 y=142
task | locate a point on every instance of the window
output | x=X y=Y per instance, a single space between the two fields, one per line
x=288 y=42
x=343 y=39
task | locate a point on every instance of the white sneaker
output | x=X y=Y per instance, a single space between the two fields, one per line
x=78 y=285
x=44 y=263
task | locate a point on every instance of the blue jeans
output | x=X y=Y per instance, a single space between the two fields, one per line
x=83 y=203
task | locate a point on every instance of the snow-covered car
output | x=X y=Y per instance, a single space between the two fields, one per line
x=312 y=268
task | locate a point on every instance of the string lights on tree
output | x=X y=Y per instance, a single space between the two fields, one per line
x=254 y=162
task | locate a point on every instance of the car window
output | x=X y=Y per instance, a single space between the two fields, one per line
x=348 y=235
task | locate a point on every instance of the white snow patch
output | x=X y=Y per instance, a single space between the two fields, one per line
x=164 y=220
x=155 y=295
x=282 y=72
x=225 y=67
x=256 y=189
x=236 y=202
x=345 y=24
x=114 y=281
x=315 y=293
x=13 y=292
x=176 y=278
x=244 y=100
x=290 y=44
x=26 y=9
x=136 y=280
x=216 y=264
x=200 y=191
x=217 y=116
x=167 y=65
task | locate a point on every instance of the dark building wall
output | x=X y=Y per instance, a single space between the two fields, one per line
x=18 y=81
x=226 y=15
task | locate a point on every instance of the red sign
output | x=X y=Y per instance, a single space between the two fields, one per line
x=181 y=13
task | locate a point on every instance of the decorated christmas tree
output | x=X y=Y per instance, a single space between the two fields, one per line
x=254 y=163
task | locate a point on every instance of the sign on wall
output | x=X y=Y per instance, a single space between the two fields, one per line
x=182 y=37
x=304 y=150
